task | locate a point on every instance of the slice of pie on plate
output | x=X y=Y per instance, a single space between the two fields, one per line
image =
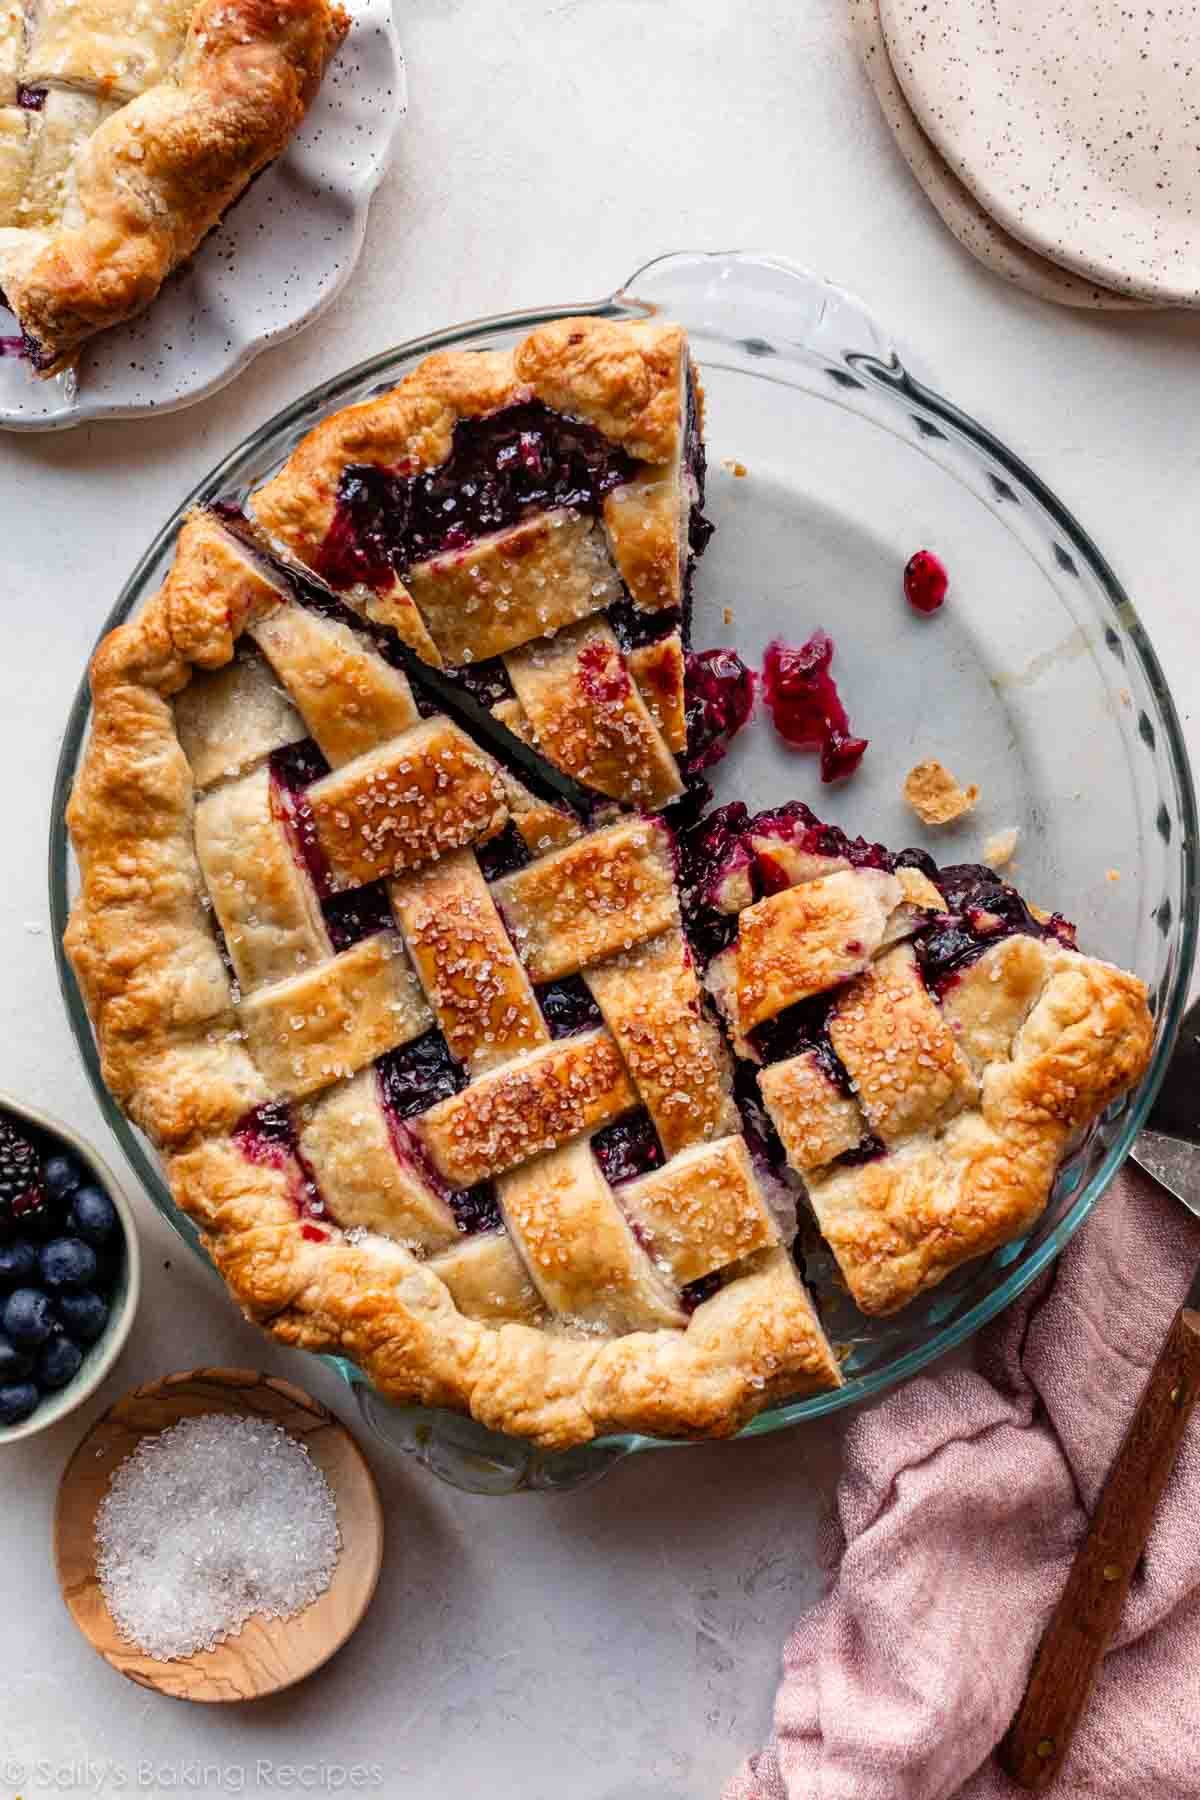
x=126 y=130
x=513 y=1103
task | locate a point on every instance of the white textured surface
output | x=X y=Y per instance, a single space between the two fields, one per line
x=621 y=1644
x=280 y=256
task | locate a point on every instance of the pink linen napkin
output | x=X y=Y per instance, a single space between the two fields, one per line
x=959 y=1509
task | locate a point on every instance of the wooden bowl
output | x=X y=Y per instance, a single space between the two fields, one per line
x=267 y=1654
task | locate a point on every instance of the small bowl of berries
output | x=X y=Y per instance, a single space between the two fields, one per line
x=70 y=1271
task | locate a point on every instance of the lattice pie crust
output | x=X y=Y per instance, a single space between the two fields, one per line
x=429 y=1059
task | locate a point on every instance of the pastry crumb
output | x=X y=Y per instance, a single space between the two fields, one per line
x=727 y=615
x=998 y=850
x=1112 y=875
x=935 y=796
x=738 y=470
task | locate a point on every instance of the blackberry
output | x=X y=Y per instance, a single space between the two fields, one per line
x=22 y=1194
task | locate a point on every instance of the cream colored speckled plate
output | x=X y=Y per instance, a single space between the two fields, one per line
x=1006 y=256
x=279 y=257
x=1073 y=124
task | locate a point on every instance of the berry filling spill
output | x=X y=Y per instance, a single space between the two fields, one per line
x=719 y=699
x=806 y=707
x=926 y=582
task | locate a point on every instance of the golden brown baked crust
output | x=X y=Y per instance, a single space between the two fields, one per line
x=530 y=1340
x=287 y=1086
x=612 y=719
x=158 y=174
x=975 y=1106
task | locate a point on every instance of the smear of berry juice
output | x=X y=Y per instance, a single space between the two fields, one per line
x=805 y=705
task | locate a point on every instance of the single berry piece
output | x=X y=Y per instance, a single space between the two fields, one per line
x=14 y=1364
x=94 y=1216
x=17 y=1400
x=18 y=1265
x=21 y=1191
x=28 y=1318
x=57 y=1363
x=925 y=582
x=62 y=1176
x=83 y=1316
x=67 y=1264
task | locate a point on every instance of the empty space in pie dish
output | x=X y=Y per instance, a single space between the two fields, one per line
x=1002 y=684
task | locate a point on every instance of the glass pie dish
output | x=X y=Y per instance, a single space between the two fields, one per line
x=830 y=464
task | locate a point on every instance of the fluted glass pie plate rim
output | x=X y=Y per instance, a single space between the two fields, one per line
x=770 y=319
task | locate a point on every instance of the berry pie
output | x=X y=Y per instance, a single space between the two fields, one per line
x=126 y=129
x=503 y=1074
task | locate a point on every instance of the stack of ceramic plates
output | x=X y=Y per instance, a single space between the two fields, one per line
x=1059 y=141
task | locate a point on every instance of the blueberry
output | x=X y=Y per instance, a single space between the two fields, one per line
x=84 y=1316
x=67 y=1264
x=57 y=1363
x=18 y=1265
x=94 y=1216
x=14 y=1364
x=62 y=1175
x=17 y=1400
x=28 y=1318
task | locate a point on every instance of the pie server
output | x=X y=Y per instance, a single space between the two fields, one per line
x=1086 y=1616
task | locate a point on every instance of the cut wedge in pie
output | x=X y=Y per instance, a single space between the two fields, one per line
x=503 y=1074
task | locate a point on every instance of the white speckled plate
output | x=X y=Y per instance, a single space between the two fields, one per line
x=1073 y=124
x=280 y=256
x=979 y=233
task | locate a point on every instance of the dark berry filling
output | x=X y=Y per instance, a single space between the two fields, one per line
x=568 y=1007
x=695 y=457
x=501 y=854
x=476 y=1209
x=719 y=698
x=628 y=1148
x=697 y=1292
x=980 y=909
x=267 y=1136
x=524 y=459
x=32 y=99
x=293 y=769
x=800 y=1028
x=635 y=626
x=488 y=681
x=762 y=1139
x=806 y=707
x=360 y=913
x=870 y=1150
x=418 y=1075
x=925 y=582
x=12 y=346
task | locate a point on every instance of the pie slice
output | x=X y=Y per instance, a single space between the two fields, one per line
x=514 y=1102
x=925 y=1045
x=126 y=131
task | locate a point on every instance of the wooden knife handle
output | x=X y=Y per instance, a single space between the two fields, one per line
x=1086 y=1616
